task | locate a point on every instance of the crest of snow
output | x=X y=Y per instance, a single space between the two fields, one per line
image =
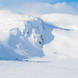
x=23 y=37
x=65 y=42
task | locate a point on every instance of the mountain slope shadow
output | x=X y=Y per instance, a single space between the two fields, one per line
x=48 y=32
x=6 y=53
x=23 y=46
x=20 y=47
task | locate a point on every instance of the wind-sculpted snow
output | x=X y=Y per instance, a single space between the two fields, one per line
x=65 y=42
x=27 y=37
x=23 y=44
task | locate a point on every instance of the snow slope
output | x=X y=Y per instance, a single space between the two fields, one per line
x=20 y=37
x=65 y=42
x=54 y=69
x=51 y=35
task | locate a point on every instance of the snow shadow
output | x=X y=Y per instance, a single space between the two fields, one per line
x=6 y=53
x=22 y=46
x=19 y=46
x=48 y=32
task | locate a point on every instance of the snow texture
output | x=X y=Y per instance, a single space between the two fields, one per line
x=38 y=47
x=23 y=37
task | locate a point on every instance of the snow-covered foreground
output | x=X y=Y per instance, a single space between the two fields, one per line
x=38 y=47
x=37 y=69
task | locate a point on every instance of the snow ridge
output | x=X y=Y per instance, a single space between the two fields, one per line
x=28 y=37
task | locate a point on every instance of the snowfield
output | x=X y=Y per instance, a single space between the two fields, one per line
x=65 y=41
x=54 y=69
x=38 y=47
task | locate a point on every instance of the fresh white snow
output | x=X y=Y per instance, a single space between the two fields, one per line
x=54 y=69
x=38 y=47
x=65 y=42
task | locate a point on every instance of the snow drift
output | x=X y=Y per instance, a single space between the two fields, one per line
x=23 y=37
x=65 y=42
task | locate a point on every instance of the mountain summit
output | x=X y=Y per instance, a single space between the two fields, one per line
x=23 y=37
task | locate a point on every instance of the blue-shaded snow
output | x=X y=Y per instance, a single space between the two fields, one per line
x=20 y=47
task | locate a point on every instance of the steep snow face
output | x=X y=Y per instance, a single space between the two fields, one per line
x=33 y=31
x=65 y=43
x=23 y=37
x=20 y=38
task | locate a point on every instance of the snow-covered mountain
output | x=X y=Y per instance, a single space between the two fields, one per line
x=23 y=37
x=65 y=40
